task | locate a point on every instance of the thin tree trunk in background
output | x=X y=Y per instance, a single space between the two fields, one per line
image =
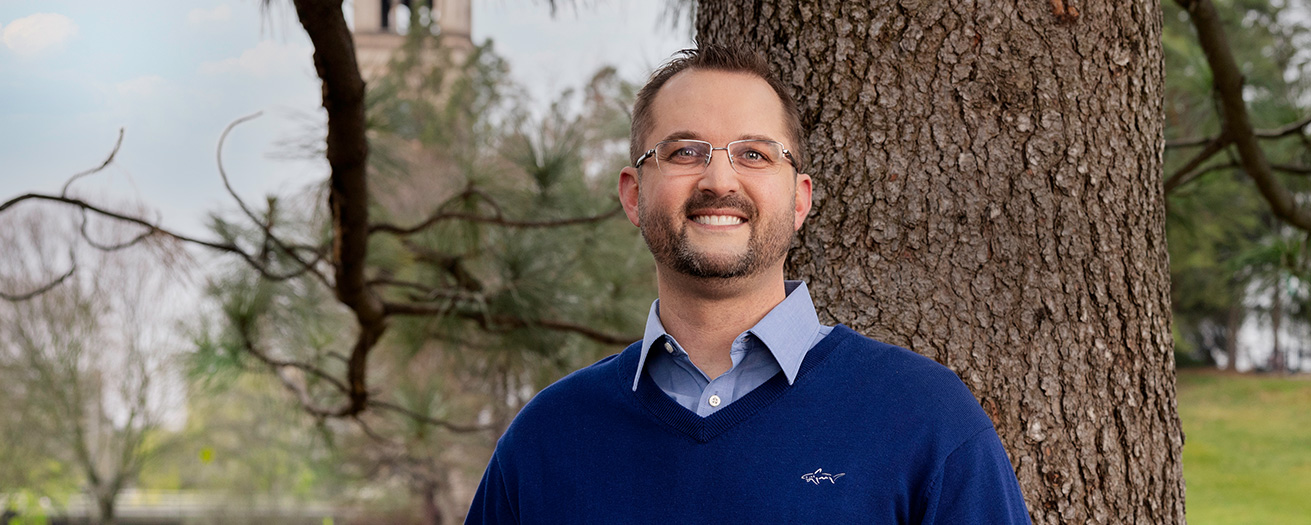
x=105 y=508
x=432 y=511
x=1233 y=323
x=1276 y=319
x=988 y=193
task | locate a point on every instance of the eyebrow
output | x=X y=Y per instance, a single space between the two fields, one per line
x=692 y=135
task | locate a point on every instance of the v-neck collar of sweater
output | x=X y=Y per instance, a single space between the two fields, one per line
x=703 y=430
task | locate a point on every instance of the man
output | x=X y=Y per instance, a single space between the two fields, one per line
x=738 y=406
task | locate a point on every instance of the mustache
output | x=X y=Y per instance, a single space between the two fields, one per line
x=734 y=201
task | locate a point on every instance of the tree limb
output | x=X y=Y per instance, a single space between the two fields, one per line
x=1236 y=124
x=500 y=322
x=218 y=158
x=429 y=293
x=496 y=220
x=1292 y=169
x=348 y=198
x=43 y=289
x=1279 y=132
x=453 y=427
x=152 y=230
x=453 y=264
x=265 y=225
x=282 y=363
x=1185 y=173
x=113 y=153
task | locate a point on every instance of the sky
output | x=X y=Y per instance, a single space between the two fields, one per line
x=173 y=75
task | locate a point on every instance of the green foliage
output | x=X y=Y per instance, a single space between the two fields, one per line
x=1246 y=459
x=243 y=440
x=30 y=507
x=1220 y=230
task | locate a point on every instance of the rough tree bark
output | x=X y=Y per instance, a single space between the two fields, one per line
x=988 y=193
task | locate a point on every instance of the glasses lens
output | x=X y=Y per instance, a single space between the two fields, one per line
x=756 y=156
x=680 y=157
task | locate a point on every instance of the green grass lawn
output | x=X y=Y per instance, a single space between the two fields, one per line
x=1247 y=448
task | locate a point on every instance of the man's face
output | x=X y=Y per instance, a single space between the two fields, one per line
x=719 y=224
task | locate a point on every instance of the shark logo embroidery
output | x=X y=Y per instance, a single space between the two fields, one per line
x=819 y=475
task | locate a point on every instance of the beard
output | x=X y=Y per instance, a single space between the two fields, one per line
x=666 y=237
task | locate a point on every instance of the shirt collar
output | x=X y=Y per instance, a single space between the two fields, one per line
x=787 y=330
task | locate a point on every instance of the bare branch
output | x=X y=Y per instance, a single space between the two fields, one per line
x=86 y=236
x=282 y=363
x=1292 y=169
x=1201 y=172
x=1228 y=80
x=47 y=287
x=453 y=264
x=1290 y=129
x=428 y=293
x=307 y=403
x=218 y=157
x=499 y=221
x=504 y=322
x=113 y=153
x=266 y=226
x=153 y=229
x=1275 y=133
x=1186 y=173
x=422 y=418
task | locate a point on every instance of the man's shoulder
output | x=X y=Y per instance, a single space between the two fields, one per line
x=889 y=362
x=893 y=378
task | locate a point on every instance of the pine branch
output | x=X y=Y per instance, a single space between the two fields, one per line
x=1236 y=124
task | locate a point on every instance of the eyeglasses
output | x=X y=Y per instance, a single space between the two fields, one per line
x=676 y=158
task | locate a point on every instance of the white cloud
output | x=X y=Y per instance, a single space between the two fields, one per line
x=30 y=35
x=265 y=58
x=198 y=16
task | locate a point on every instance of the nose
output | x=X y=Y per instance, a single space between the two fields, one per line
x=719 y=176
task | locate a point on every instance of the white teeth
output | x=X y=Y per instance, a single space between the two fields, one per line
x=717 y=220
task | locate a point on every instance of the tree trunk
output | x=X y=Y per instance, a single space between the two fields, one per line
x=1276 y=319
x=432 y=509
x=105 y=508
x=988 y=193
x=1234 y=323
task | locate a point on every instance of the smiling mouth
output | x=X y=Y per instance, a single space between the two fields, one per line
x=717 y=220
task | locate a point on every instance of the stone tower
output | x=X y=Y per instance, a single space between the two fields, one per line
x=377 y=22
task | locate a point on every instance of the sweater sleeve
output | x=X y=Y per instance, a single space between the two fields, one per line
x=976 y=484
x=492 y=503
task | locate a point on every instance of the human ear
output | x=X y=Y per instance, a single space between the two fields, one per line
x=628 y=193
x=803 y=193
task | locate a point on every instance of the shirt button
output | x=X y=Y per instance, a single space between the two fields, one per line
x=714 y=401
x=668 y=347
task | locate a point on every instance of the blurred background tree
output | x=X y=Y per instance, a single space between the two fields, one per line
x=84 y=365
x=517 y=223
x=1227 y=247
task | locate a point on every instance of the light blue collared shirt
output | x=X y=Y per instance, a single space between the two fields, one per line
x=778 y=342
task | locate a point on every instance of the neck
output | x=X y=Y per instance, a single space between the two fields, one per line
x=705 y=315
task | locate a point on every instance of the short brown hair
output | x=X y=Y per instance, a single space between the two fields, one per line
x=731 y=59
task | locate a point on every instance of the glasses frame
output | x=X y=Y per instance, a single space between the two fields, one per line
x=711 y=153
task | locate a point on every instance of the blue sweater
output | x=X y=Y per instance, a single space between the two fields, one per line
x=868 y=433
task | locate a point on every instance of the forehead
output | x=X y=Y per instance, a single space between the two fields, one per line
x=717 y=106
